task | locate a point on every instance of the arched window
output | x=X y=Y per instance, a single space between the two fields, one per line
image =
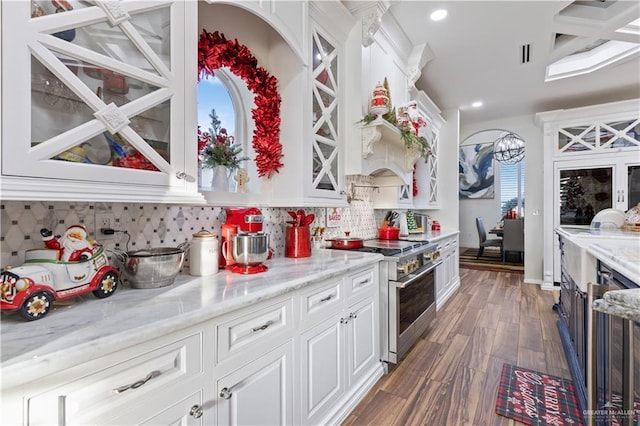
x=227 y=95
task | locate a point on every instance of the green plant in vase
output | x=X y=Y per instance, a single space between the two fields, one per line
x=218 y=151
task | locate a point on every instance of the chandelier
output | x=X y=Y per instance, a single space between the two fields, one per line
x=509 y=148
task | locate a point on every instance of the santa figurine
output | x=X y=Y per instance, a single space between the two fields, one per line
x=72 y=246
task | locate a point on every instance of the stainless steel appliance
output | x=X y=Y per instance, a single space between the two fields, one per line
x=407 y=292
x=613 y=358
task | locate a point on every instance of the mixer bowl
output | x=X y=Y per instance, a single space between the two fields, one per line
x=250 y=249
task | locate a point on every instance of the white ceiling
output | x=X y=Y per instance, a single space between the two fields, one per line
x=476 y=54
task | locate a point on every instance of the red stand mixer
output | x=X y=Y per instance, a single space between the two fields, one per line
x=239 y=220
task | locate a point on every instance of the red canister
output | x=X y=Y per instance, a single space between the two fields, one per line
x=297 y=242
x=435 y=226
x=388 y=233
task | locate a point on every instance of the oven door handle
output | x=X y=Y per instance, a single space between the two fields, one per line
x=414 y=277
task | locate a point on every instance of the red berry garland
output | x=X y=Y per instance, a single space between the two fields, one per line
x=215 y=51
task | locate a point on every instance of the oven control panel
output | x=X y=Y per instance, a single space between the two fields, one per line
x=431 y=256
x=408 y=266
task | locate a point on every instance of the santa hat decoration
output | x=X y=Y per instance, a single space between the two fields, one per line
x=78 y=231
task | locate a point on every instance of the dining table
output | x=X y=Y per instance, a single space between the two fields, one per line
x=497 y=231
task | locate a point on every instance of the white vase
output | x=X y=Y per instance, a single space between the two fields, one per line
x=204 y=177
x=220 y=179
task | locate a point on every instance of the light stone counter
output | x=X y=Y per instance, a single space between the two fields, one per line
x=91 y=327
x=431 y=236
x=622 y=256
x=621 y=303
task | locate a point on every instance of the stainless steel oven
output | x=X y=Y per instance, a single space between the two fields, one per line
x=407 y=292
x=412 y=309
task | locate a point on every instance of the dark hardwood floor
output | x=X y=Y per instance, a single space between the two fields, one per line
x=451 y=375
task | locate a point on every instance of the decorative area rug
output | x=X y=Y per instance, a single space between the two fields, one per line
x=535 y=398
x=490 y=261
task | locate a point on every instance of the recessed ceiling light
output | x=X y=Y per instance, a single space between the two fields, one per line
x=438 y=15
x=477 y=104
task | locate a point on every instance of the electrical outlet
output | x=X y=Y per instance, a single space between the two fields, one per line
x=104 y=220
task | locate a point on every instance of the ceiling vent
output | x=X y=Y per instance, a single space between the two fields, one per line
x=525 y=54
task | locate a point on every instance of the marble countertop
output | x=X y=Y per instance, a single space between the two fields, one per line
x=92 y=327
x=621 y=303
x=431 y=236
x=621 y=255
x=596 y=234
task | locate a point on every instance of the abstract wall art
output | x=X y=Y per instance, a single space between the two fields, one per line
x=475 y=170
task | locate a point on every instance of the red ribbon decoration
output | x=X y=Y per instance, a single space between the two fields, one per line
x=215 y=51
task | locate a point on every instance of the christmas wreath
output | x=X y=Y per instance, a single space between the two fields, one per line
x=215 y=51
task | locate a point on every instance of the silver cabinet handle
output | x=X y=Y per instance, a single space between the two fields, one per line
x=136 y=385
x=181 y=175
x=326 y=299
x=353 y=315
x=262 y=327
x=196 y=412
x=605 y=274
x=225 y=393
x=344 y=320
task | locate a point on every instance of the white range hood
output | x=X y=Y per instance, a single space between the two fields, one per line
x=384 y=154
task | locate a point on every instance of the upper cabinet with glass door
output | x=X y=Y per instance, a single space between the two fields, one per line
x=326 y=124
x=94 y=101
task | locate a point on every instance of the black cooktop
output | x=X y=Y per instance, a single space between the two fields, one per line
x=389 y=247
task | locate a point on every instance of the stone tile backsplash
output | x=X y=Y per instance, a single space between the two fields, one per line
x=161 y=225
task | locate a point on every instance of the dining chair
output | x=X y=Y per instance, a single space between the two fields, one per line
x=513 y=238
x=483 y=241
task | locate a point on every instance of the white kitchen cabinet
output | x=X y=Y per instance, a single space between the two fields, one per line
x=126 y=387
x=303 y=357
x=593 y=155
x=448 y=272
x=260 y=392
x=94 y=102
x=323 y=371
x=427 y=171
x=338 y=355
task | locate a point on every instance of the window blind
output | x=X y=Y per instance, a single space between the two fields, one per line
x=512 y=187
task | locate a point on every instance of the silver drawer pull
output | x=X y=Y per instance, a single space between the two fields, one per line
x=326 y=299
x=262 y=327
x=365 y=281
x=605 y=274
x=136 y=385
x=196 y=412
x=225 y=393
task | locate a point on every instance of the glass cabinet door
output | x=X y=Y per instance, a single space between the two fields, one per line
x=325 y=111
x=633 y=186
x=93 y=90
x=583 y=193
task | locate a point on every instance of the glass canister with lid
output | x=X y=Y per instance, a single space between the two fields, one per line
x=203 y=254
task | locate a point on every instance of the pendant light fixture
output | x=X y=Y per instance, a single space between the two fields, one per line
x=509 y=148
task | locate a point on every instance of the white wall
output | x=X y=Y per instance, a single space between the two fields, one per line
x=525 y=127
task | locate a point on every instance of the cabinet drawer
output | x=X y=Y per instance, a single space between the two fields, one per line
x=321 y=301
x=102 y=395
x=264 y=329
x=362 y=283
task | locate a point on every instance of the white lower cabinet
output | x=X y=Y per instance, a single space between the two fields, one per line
x=322 y=366
x=448 y=273
x=109 y=391
x=259 y=393
x=339 y=355
x=305 y=357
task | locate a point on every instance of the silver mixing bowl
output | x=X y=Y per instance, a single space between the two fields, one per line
x=250 y=249
x=151 y=268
